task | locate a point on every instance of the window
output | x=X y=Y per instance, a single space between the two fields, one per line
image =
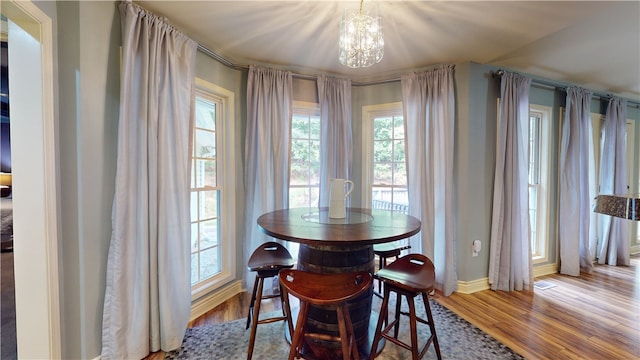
x=304 y=176
x=384 y=168
x=304 y=173
x=212 y=210
x=539 y=135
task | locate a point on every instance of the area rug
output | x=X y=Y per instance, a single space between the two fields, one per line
x=229 y=341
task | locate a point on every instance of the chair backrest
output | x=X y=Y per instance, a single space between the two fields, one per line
x=414 y=272
x=270 y=255
x=324 y=289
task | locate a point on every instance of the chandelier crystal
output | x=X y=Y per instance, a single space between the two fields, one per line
x=361 y=42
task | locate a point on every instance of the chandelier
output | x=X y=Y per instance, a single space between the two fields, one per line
x=361 y=43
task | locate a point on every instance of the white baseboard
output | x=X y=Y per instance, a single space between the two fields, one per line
x=469 y=287
x=546 y=269
x=208 y=302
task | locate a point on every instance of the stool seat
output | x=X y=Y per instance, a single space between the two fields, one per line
x=270 y=256
x=332 y=291
x=267 y=260
x=385 y=251
x=409 y=276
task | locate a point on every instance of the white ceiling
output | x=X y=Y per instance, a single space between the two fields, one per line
x=594 y=44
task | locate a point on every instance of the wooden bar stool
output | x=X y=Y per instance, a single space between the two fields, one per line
x=267 y=260
x=410 y=275
x=384 y=252
x=331 y=291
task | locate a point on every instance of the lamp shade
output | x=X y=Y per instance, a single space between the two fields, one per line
x=622 y=206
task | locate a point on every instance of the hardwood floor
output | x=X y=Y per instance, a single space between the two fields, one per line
x=594 y=316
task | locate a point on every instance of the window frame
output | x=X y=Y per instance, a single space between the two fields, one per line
x=369 y=113
x=225 y=145
x=540 y=252
x=309 y=109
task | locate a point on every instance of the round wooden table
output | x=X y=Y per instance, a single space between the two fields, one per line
x=330 y=245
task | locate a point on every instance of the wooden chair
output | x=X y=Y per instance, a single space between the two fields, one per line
x=331 y=291
x=267 y=260
x=410 y=275
x=384 y=252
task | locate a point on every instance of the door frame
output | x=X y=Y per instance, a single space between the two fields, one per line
x=36 y=256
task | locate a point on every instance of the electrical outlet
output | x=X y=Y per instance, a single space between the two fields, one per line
x=476 y=247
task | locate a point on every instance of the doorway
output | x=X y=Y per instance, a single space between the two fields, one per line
x=35 y=245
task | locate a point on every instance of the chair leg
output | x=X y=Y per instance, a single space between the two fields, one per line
x=344 y=338
x=432 y=326
x=287 y=307
x=414 y=329
x=353 y=344
x=253 y=299
x=396 y=326
x=298 y=334
x=381 y=318
x=256 y=315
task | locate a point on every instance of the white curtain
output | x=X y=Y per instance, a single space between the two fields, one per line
x=510 y=266
x=269 y=109
x=614 y=249
x=575 y=210
x=429 y=112
x=336 y=140
x=148 y=292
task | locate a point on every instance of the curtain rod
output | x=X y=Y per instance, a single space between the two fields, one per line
x=231 y=65
x=563 y=87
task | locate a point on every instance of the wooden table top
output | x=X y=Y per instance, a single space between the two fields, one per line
x=312 y=226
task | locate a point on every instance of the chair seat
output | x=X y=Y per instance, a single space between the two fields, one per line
x=411 y=274
x=270 y=256
x=388 y=250
x=325 y=289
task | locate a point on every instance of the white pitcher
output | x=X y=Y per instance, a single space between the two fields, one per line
x=340 y=189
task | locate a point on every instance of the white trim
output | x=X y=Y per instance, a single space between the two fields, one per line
x=33 y=20
x=542 y=230
x=212 y=300
x=546 y=269
x=470 y=287
x=225 y=139
x=473 y=286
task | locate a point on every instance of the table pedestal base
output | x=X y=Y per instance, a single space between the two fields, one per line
x=312 y=351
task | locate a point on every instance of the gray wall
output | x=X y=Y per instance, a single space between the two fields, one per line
x=88 y=89
x=87 y=46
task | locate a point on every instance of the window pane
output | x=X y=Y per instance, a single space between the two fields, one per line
x=382 y=174
x=205 y=143
x=382 y=150
x=194 y=237
x=194 y=206
x=208 y=204
x=398 y=128
x=205 y=114
x=400 y=174
x=389 y=181
x=195 y=274
x=208 y=234
x=209 y=263
x=205 y=173
x=398 y=150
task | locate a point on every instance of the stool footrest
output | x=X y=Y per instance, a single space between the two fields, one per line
x=273 y=319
